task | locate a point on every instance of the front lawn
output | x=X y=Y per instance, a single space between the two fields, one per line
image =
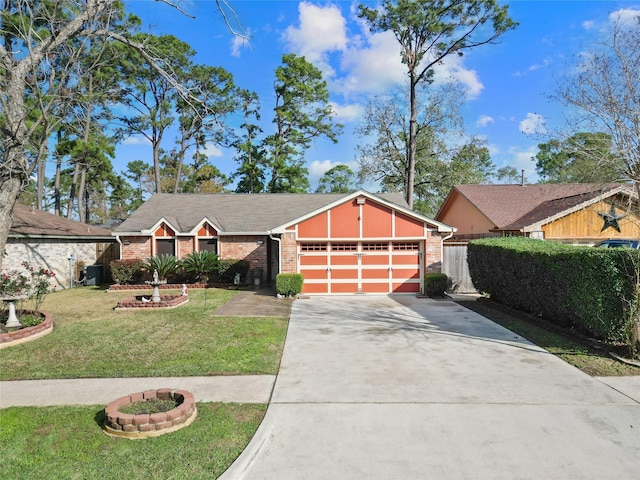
x=67 y=442
x=90 y=339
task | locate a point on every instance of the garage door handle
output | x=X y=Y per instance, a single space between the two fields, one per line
x=328 y=269
x=390 y=269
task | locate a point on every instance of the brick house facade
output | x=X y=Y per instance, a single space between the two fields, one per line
x=355 y=243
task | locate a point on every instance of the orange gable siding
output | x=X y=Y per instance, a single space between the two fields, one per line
x=207 y=230
x=408 y=227
x=164 y=231
x=344 y=220
x=376 y=220
x=315 y=227
x=462 y=214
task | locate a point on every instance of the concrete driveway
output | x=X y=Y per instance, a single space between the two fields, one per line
x=407 y=388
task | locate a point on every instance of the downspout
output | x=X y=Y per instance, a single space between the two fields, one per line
x=279 y=240
x=120 y=244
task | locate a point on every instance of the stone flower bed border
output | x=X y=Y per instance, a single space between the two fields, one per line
x=165 y=286
x=28 y=333
x=117 y=424
x=166 y=301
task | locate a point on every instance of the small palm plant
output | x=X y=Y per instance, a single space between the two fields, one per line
x=201 y=264
x=164 y=264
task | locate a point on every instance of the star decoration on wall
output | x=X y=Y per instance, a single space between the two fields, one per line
x=611 y=219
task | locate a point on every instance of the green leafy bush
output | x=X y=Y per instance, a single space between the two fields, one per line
x=164 y=264
x=584 y=287
x=227 y=269
x=126 y=271
x=289 y=284
x=435 y=284
x=202 y=264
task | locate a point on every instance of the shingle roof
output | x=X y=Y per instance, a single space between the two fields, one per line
x=514 y=207
x=233 y=212
x=36 y=223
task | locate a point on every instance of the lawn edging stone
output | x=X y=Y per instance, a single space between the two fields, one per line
x=126 y=425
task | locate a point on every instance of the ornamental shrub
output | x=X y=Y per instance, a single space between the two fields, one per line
x=202 y=264
x=126 y=271
x=435 y=284
x=583 y=287
x=289 y=284
x=164 y=264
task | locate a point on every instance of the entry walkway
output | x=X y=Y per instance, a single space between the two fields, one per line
x=406 y=388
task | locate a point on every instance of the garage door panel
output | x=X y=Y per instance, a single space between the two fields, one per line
x=375 y=273
x=344 y=260
x=401 y=273
x=350 y=274
x=314 y=260
x=406 y=287
x=315 y=287
x=315 y=274
x=410 y=259
x=375 y=259
x=344 y=288
x=375 y=287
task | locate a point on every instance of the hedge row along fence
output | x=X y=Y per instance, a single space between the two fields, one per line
x=588 y=288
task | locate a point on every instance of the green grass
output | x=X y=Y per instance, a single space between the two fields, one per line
x=90 y=339
x=563 y=344
x=68 y=442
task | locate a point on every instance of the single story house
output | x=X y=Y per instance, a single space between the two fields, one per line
x=49 y=241
x=342 y=244
x=577 y=213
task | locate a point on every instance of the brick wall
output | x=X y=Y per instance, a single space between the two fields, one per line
x=138 y=247
x=433 y=253
x=289 y=253
x=52 y=255
x=185 y=246
x=246 y=247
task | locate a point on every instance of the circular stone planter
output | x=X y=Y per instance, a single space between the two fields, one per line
x=27 y=334
x=117 y=424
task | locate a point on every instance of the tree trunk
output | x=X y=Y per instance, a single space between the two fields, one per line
x=72 y=191
x=40 y=183
x=81 y=196
x=413 y=131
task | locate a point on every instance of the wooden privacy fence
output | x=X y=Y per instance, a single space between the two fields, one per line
x=454 y=265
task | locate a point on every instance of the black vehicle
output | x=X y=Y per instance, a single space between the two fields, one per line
x=618 y=243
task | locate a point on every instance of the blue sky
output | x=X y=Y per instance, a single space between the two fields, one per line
x=507 y=85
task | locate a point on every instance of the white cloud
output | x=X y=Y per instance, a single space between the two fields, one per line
x=484 y=120
x=373 y=68
x=212 y=150
x=533 y=124
x=625 y=16
x=346 y=113
x=452 y=68
x=588 y=24
x=322 y=30
x=136 y=140
x=524 y=160
x=239 y=42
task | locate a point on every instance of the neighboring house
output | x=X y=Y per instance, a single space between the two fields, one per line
x=46 y=240
x=579 y=214
x=354 y=243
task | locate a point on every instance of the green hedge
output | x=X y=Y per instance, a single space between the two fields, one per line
x=435 y=284
x=126 y=271
x=289 y=284
x=227 y=269
x=585 y=287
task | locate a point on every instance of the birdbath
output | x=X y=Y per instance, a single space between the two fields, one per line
x=155 y=283
x=12 y=321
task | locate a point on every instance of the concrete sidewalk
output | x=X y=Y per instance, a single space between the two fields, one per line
x=405 y=388
x=97 y=391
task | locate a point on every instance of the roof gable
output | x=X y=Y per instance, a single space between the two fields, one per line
x=520 y=207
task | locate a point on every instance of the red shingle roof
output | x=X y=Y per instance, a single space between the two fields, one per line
x=29 y=222
x=513 y=207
